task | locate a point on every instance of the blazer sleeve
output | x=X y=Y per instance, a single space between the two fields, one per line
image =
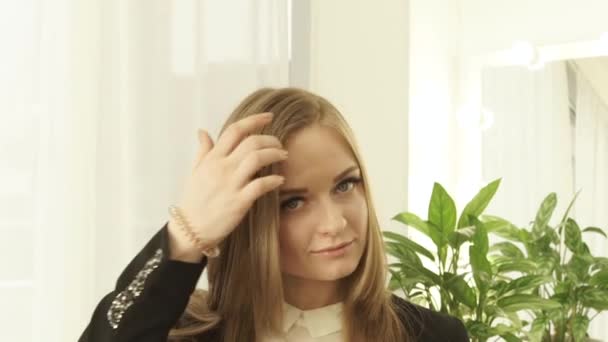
x=439 y=327
x=425 y=325
x=150 y=296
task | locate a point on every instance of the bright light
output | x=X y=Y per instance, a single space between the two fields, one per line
x=524 y=53
x=538 y=65
x=472 y=117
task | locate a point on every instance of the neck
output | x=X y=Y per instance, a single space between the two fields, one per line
x=306 y=294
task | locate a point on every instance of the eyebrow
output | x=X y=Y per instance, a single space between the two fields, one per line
x=296 y=191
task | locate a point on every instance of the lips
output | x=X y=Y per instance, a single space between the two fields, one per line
x=334 y=247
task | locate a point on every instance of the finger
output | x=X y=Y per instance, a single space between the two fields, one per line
x=257 y=160
x=254 y=143
x=237 y=131
x=260 y=186
x=205 y=145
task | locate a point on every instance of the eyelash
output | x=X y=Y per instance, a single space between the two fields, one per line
x=352 y=180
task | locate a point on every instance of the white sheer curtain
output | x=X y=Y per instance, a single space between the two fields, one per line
x=592 y=175
x=530 y=143
x=99 y=105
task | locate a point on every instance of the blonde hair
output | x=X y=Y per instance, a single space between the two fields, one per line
x=245 y=297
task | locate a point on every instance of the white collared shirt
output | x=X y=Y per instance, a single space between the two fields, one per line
x=318 y=325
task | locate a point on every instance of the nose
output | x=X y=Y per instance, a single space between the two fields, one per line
x=332 y=221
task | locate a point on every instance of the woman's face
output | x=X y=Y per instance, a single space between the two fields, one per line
x=323 y=220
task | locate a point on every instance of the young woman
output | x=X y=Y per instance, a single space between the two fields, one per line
x=283 y=197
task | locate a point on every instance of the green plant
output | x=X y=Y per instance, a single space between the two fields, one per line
x=579 y=281
x=478 y=292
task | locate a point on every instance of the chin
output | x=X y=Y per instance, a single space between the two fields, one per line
x=336 y=270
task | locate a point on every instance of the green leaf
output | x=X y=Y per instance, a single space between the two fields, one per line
x=580 y=325
x=442 y=210
x=404 y=255
x=507 y=249
x=547 y=262
x=412 y=220
x=402 y=281
x=410 y=282
x=578 y=267
x=409 y=244
x=520 y=301
x=524 y=266
x=570 y=205
x=526 y=283
x=431 y=279
x=539 y=325
x=478 y=204
x=442 y=253
x=395 y=281
x=426 y=228
x=600 y=263
x=573 y=239
x=482 y=269
x=502 y=228
x=595 y=230
x=480 y=330
x=509 y=337
x=599 y=279
x=544 y=214
x=461 y=291
x=460 y=236
x=480 y=237
x=595 y=298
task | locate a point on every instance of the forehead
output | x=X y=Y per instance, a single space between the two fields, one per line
x=316 y=149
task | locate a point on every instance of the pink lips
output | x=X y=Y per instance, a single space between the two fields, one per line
x=339 y=248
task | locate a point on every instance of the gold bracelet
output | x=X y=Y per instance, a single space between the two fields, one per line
x=208 y=251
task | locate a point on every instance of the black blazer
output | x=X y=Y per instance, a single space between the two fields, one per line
x=151 y=295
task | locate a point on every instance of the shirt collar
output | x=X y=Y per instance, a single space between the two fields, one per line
x=319 y=322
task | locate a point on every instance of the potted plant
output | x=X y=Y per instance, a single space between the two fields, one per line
x=578 y=280
x=481 y=294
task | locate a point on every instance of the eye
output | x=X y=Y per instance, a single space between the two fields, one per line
x=348 y=184
x=343 y=187
x=291 y=204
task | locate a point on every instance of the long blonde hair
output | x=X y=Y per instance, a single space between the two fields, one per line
x=245 y=297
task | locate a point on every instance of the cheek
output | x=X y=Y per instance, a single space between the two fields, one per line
x=294 y=238
x=357 y=216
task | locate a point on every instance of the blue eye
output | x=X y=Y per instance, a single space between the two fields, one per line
x=343 y=187
x=348 y=184
x=288 y=204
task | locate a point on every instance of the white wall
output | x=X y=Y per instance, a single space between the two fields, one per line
x=358 y=60
x=490 y=25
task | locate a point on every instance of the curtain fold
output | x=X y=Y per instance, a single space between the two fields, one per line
x=592 y=176
x=110 y=96
x=530 y=143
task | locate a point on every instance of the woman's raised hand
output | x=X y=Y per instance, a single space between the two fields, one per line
x=222 y=187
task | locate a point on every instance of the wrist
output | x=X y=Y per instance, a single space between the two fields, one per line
x=181 y=223
x=180 y=246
